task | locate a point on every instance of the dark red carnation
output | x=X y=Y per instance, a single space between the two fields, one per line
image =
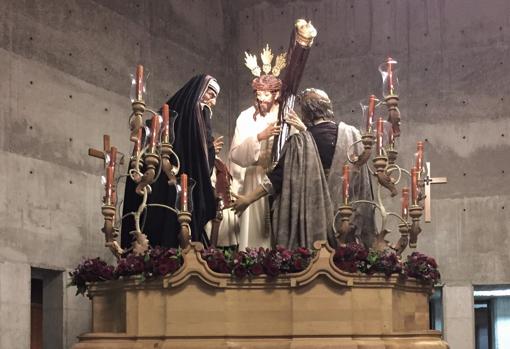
x=173 y=264
x=303 y=251
x=257 y=269
x=271 y=268
x=348 y=266
x=286 y=255
x=298 y=264
x=432 y=262
x=223 y=267
x=213 y=265
x=240 y=271
x=340 y=252
x=164 y=269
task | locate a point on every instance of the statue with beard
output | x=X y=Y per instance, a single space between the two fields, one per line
x=252 y=144
x=307 y=180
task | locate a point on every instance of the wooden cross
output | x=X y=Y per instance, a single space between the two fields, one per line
x=428 y=182
x=106 y=150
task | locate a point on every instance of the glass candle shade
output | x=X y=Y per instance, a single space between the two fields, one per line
x=389 y=77
x=138 y=90
x=370 y=107
x=184 y=198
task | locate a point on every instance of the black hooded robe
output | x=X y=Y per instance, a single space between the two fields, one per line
x=194 y=146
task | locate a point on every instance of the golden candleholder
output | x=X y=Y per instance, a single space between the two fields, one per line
x=415 y=211
x=367 y=140
x=109 y=231
x=402 y=243
x=392 y=156
x=381 y=164
x=184 y=219
x=166 y=163
x=345 y=227
x=391 y=102
x=151 y=161
x=136 y=120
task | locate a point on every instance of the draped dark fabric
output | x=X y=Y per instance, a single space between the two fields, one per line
x=305 y=199
x=302 y=211
x=325 y=136
x=193 y=145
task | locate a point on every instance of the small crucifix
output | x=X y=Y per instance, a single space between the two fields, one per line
x=428 y=182
x=106 y=150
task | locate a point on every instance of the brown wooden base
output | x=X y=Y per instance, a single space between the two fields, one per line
x=321 y=307
x=417 y=341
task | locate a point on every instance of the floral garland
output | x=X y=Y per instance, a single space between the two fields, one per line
x=90 y=270
x=352 y=258
x=422 y=267
x=158 y=261
x=254 y=262
x=355 y=258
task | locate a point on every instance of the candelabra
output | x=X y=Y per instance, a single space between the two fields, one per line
x=152 y=155
x=384 y=169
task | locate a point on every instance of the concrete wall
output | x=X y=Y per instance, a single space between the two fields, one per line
x=458 y=315
x=65 y=82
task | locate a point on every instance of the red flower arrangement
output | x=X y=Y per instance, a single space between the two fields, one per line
x=386 y=262
x=422 y=267
x=130 y=265
x=90 y=270
x=355 y=258
x=352 y=257
x=163 y=261
x=158 y=261
x=254 y=262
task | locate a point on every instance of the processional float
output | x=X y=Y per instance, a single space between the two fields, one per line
x=321 y=306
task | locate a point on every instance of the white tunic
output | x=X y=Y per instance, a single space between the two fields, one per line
x=254 y=158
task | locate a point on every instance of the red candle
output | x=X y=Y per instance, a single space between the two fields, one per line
x=154 y=132
x=139 y=82
x=405 y=203
x=379 y=135
x=391 y=88
x=345 y=184
x=419 y=157
x=184 y=192
x=113 y=157
x=165 y=136
x=414 y=185
x=371 y=109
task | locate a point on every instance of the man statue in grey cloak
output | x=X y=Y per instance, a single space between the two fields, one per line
x=306 y=183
